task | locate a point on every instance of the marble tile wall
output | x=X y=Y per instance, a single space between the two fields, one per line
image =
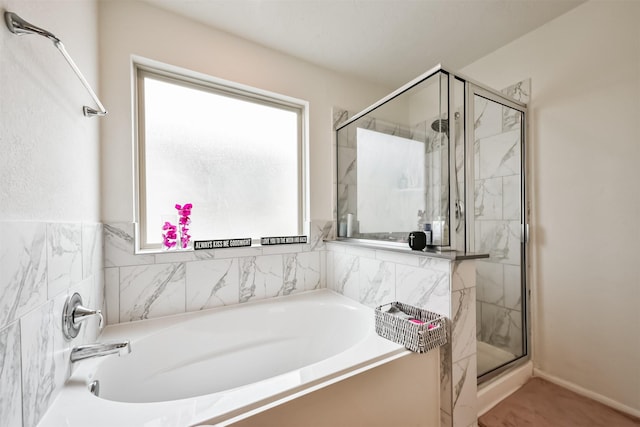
x=339 y=115
x=374 y=277
x=145 y=286
x=346 y=164
x=41 y=264
x=497 y=220
x=463 y=344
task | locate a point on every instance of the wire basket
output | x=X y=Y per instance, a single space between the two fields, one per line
x=416 y=337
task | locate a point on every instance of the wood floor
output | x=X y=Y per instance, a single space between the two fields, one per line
x=540 y=403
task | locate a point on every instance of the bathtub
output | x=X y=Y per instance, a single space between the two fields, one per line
x=222 y=365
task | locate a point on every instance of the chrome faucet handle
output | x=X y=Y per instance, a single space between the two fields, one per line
x=82 y=313
x=74 y=314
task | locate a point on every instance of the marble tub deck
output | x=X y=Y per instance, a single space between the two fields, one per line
x=540 y=403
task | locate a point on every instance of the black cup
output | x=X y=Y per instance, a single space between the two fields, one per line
x=417 y=240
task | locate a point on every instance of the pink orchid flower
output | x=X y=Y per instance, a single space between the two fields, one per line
x=170 y=237
x=184 y=221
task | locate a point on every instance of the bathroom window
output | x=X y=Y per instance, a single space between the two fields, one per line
x=236 y=153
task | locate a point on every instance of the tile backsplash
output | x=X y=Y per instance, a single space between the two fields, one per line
x=145 y=286
x=41 y=264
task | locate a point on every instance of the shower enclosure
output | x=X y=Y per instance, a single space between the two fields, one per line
x=500 y=230
x=446 y=154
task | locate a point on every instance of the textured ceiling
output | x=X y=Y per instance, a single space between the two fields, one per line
x=383 y=41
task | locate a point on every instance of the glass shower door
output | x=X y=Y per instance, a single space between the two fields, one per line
x=498 y=229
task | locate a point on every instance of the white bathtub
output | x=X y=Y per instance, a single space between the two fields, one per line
x=217 y=366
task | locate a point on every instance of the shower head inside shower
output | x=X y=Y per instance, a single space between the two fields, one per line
x=441 y=126
x=20 y=27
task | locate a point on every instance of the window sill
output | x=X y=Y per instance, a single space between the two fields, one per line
x=256 y=249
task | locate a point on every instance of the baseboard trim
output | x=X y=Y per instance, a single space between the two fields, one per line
x=499 y=388
x=587 y=393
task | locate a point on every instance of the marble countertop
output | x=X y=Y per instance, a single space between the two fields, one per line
x=403 y=248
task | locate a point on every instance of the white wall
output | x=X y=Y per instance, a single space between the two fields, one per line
x=584 y=152
x=134 y=27
x=49 y=163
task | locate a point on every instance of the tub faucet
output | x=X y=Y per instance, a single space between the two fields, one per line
x=97 y=350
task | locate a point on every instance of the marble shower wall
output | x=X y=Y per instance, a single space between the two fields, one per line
x=497 y=220
x=374 y=277
x=146 y=286
x=41 y=264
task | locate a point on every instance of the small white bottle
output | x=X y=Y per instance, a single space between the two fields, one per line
x=342 y=227
x=437 y=231
x=427 y=233
x=349 y=225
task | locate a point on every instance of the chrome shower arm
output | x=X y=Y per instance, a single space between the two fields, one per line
x=20 y=27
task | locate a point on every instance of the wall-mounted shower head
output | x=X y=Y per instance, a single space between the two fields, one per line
x=441 y=126
x=20 y=27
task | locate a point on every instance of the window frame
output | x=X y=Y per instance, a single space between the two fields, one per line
x=141 y=68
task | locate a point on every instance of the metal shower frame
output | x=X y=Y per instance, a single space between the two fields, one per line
x=471 y=88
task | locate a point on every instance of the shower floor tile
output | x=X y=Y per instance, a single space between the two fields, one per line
x=540 y=403
x=490 y=357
